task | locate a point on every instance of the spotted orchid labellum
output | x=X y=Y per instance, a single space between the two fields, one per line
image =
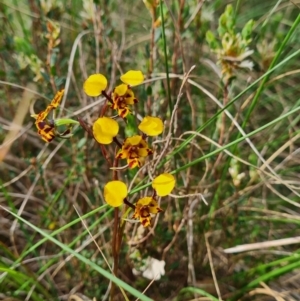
x=144 y=208
x=134 y=150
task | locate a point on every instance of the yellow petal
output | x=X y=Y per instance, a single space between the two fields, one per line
x=120 y=90
x=151 y=126
x=144 y=208
x=122 y=154
x=114 y=193
x=145 y=221
x=132 y=77
x=144 y=152
x=132 y=163
x=105 y=129
x=123 y=112
x=134 y=140
x=144 y=201
x=57 y=98
x=153 y=207
x=104 y=139
x=129 y=97
x=95 y=84
x=163 y=184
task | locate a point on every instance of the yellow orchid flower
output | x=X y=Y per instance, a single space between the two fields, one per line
x=122 y=95
x=144 y=208
x=133 y=149
x=46 y=128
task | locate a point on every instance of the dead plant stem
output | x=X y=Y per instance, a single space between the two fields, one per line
x=223 y=125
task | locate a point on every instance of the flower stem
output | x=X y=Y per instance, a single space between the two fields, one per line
x=107 y=97
x=85 y=126
x=115 y=251
x=116 y=243
x=129 y=204
x=103 y=110
x=117 y=142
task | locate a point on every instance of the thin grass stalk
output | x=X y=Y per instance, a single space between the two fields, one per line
x=198 y=160
x=171 y=105
x=151 y=57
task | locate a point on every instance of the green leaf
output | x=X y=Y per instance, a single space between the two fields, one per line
x=226 y=21
x=23 y=45
x=59 y=81
x=131 y=127
x=200 y=292
x=247 y=30
x=65 y=121
x=211 y=40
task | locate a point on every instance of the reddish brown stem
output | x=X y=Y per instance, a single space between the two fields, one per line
x=116 y=243
x=117 y=142
x=103 y=110
x=107 y=97
x=115 y=251
x=126 y=202
x=86 y=127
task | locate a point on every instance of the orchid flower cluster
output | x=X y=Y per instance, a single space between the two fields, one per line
x=134 y=149
x=115 y=194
